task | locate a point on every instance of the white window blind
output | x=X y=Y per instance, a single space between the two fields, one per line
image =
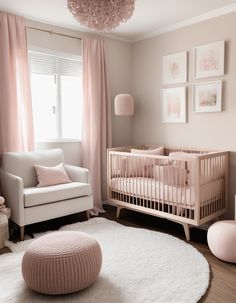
x=56 y=84
x=68 y=67
x=46 y=64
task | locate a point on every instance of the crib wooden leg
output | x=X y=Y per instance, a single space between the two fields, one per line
x=186 y=231
x=87 y=214
x=118 y=212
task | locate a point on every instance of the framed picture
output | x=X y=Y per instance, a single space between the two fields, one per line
x=173 y=105
x=207 y=97
x=174 y=68
x=209 y=60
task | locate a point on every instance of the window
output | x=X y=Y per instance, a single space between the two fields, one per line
x=56 y=84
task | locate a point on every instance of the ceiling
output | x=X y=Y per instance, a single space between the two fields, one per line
x=150 y=16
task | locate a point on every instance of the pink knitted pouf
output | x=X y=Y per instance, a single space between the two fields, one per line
x=221 y=238
x=62 y=262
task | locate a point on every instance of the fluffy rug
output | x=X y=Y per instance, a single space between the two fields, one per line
x=139 y=266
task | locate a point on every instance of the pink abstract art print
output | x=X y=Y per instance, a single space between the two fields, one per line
x=207 y=97
x=209 y=60
x=174 y=68
x=173 y=105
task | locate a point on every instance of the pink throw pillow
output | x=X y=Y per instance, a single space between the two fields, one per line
x=191 y=163
x=48 y=176
x=143 y=167
x=170 y=175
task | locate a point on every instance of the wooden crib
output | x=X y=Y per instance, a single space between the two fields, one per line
x=189 y=190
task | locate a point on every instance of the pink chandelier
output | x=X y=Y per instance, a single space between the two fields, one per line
x=101 y=15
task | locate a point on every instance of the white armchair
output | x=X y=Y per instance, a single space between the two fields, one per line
x=29 y=203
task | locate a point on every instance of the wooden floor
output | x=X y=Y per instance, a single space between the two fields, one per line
x=222 y=288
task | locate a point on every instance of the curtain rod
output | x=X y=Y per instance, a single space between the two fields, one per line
x=53 y=33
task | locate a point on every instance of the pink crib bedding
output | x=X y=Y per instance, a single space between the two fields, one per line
x=151 y=189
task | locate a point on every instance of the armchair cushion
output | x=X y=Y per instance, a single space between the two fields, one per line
x=43 y=195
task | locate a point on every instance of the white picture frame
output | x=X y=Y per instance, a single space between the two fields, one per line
x=173 y=103
x=174 y=68
x=208 y=60
x=207 y=97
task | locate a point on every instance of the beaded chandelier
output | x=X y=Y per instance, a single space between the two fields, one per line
x=101 y=15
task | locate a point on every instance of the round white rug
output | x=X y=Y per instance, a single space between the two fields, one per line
x=139 y=266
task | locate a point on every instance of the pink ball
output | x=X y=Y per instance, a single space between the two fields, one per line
x=62 y=262
x=221 y=238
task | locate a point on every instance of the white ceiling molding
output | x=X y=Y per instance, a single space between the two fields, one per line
x=204 y=17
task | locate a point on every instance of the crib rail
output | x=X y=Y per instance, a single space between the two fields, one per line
x=213 y=183
x=182 y=190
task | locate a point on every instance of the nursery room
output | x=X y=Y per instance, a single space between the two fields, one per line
x=117 y=151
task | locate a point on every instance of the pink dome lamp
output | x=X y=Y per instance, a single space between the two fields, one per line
x=124 y=105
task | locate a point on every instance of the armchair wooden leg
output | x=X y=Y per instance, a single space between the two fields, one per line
x=88 y=214
x=22 y=233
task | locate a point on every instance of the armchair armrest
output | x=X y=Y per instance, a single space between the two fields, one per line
x=77 y=174
x=12 y=188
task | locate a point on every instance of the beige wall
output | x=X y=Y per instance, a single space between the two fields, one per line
x=119 y=70
x=209 y=130
x=119 y=74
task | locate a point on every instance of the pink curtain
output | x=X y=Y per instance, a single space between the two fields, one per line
x=96 y=132
x=16 y=122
